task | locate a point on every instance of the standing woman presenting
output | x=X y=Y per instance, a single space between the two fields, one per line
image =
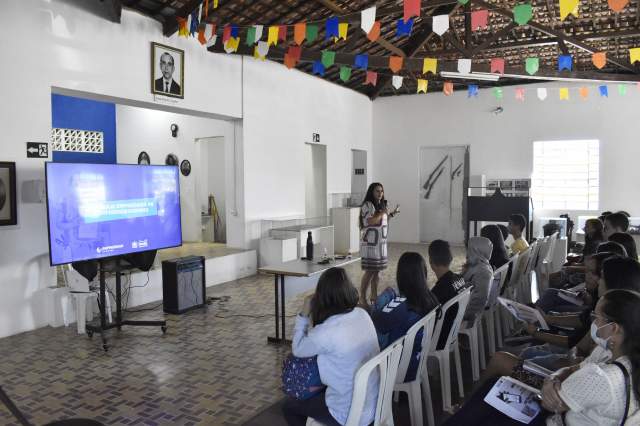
x=373 y=245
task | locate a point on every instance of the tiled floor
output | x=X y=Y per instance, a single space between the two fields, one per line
x=213 y=367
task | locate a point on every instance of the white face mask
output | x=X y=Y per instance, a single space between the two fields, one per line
x=597 y=339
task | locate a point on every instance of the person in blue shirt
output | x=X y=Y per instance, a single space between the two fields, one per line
x=396 y=312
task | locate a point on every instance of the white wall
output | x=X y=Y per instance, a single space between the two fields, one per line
x=141 y=129
x=281 y=111
x=56 y=45
x=213 y=153
x=315 y=180
x=501 y=145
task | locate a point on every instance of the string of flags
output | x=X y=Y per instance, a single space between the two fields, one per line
x=307 y=32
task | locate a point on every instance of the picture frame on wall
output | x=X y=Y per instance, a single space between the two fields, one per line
x=8 y=202
x=167 y=71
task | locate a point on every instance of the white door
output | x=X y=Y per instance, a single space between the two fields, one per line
x=443 y=179
x=315 y=180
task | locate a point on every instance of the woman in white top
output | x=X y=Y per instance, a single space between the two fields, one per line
x=344 y=338
x=597 y=394
x=594 y=393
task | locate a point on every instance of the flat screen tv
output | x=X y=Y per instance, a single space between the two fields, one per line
x=95 y=211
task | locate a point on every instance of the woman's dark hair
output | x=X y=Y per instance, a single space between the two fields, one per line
x=334 y=295
x=623 y=308
x=627 y=242
x=624 y=213
x=370 y=198
x=504 y=230
x=621 y=273
x=411 y=277
x=499 y=253
x=591 y=241
x=612 y=247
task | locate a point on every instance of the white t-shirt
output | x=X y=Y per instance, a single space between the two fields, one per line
x=343 y=343
x=596 y=396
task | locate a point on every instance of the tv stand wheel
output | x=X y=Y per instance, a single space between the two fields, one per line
x=89 y=334
x=164 y=329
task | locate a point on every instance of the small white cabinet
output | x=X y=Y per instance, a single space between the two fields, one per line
x=346 y=229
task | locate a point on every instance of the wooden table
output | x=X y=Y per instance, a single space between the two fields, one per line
x=309 y=272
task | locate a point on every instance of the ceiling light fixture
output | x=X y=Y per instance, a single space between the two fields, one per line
x=470 y=76
x=567 y=79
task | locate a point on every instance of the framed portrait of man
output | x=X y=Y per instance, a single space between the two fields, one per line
x=8 y=202
x=167 y=71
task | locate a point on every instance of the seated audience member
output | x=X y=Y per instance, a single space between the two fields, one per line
x=593 y=235
x=504 y=230
x=627 y=242
x=517 y=225
x=448 y=286
x=499 y=253
x=591 y=393
x=403 y=310
x=551 y=301
x=612 y=247
x=573 y=273
x=617 y=274
x=615 y=222
x=479 y=274
x=343 y=337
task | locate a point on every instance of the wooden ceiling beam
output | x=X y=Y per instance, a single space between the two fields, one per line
x=559 y=34
x=114 y=10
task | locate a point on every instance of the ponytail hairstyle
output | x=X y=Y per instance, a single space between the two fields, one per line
x=623 y=308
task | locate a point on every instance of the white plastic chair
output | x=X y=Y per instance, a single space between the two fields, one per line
x=80 y=290
x=525 y=285
x=507 y=291
x=412 y=388
x=386 y=363
x=491 y=313
x=475 y=334
x=545 y=268
x=451 y=345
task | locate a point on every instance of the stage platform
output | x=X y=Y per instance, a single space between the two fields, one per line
x=222 y=264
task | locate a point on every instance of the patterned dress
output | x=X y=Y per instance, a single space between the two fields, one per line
x=373 y=245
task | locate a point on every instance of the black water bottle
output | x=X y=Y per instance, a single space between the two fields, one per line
x=309 y=246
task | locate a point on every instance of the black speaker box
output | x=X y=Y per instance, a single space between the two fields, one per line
x=183 y=284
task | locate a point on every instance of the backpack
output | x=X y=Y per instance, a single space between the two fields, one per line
x=301 y=377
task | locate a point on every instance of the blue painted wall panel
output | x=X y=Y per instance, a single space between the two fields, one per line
x=83 y=114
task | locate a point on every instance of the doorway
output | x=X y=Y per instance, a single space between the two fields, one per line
x=210 y=188
x=315 y=180
x=444 y=178
x=358 y=175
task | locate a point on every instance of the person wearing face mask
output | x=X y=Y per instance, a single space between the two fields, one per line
x=608 y=272
x=602 y=392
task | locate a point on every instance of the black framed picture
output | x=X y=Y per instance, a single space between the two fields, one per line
x=185 y=167
x=167 y=71
x=143 y=158
x=8 y=202
x=171 y=160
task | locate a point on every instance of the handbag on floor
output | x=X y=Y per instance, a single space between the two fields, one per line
x=301 y=377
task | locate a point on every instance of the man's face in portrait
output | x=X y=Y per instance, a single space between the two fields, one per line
x=166 y=66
